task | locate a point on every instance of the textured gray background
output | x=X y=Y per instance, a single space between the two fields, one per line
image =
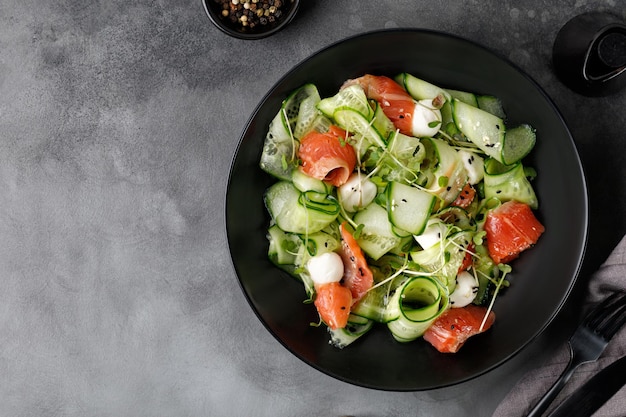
x=118 y=121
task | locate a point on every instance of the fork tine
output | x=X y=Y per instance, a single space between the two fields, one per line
x=616 y=322
x=606 y=319
x=598 y=314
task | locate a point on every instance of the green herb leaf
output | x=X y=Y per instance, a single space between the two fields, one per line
x=530 y=173
x=478 y=237
x=283 y=161
x=358 y=231
x=434 y=123
x=378 y=181
x=443 y=181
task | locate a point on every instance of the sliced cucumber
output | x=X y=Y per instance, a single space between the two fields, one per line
x=283 y=247
x=482 y=128
x=320 y=124
x=489 y=133
x=278 y=157
x=420 y=89
x=303 y=182
x=377 y=236
x=357 y=123
x=297 y=212
x=320 y=202
x=318 y=243
x=518 y=142
x=409 y=207
x=508 y=182
x=420 y=301
x=487 y=275
x=340 y=338
x=447 y=121
x=279 y=150
x=399 y=232
x=492 y=105
x=403 y=160
x=408 y=150
x=307 y=112
x=464 y=96
x=374 y=305
x=292 y=106
x=404 y=246
x=445 y=258
x=458 y=217
x=383 y=125
x=449 y=172
x=352 y=97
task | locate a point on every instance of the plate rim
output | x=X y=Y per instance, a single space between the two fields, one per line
x=584 y=231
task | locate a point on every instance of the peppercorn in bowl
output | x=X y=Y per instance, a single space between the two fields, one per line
x=251 y=19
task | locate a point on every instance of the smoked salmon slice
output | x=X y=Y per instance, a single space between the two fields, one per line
x=452 y=329
x=395 y=102
x=357 y=275
x=327 y=156
x=465 y=197
x=333 y=303
x=511 y=228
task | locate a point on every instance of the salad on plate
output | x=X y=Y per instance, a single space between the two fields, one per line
x=399 y=203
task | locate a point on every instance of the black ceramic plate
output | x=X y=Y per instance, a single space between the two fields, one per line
x=542 y=277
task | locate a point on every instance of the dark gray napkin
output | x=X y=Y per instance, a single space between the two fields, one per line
x=610 y=276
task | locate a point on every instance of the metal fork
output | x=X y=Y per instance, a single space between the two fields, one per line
x=588 y=342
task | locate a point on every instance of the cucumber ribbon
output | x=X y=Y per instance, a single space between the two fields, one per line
x=420 y=300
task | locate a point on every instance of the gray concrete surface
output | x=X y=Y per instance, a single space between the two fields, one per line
x=118 y=122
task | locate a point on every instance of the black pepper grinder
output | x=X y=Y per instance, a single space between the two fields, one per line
x=589 y=54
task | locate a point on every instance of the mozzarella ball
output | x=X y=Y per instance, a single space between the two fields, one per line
x=357 y=192
x=433 y=233
x=424 y=117
x=325 y=268
x=474 y=165
x=465 y=291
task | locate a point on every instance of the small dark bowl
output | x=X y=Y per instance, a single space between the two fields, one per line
x=214 y=9
x=542 y=277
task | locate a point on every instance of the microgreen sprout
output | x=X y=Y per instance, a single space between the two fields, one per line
x=504 y=269
x=478 y=237
x=291 y=136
